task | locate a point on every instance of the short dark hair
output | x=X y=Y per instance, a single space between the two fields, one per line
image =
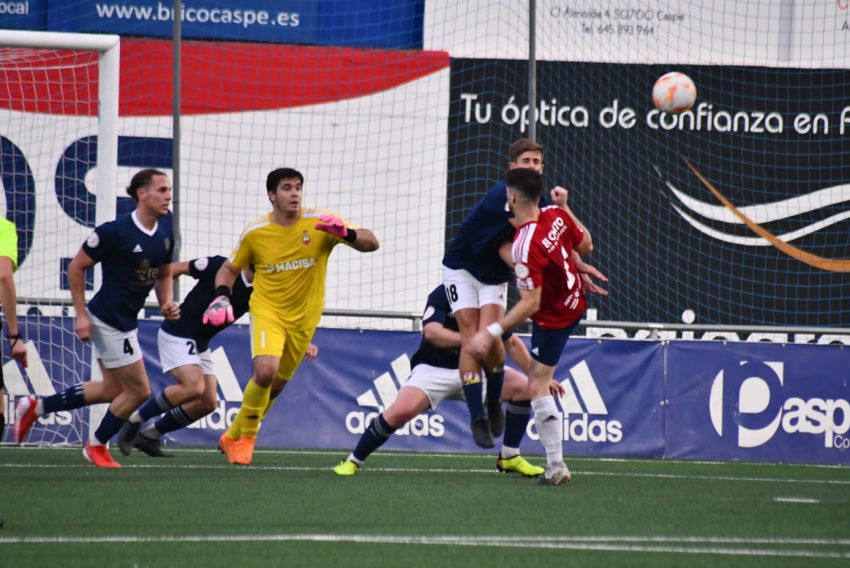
x=527 y=182
x=275 y=176
x=143 y=178
x=522 y=146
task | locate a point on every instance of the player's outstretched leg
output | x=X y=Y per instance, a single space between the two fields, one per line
x=378 y=432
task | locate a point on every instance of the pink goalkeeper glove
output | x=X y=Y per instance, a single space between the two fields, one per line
x=333 y=225
x=219 y=311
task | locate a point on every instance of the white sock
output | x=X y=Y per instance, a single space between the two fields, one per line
x=508 y=453
x=549 y=425
x=135 y=418
x=355 y=460
x=39 y=408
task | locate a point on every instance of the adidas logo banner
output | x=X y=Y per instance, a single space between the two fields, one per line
x=622 y=398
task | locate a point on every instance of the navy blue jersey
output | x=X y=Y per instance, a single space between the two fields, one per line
x=192 y=309
x=130 y=257
x=475 y=246
x=437 y=309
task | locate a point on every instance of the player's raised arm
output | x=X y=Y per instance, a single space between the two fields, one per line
x=361 y=239
x=77 y=284
x=559 y=197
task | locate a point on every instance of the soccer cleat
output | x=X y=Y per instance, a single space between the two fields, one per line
x=243 y=451
x=481 y=432
x=558 y=475
x=127 y=436
x=226 y=443
x=99 y=456
x=25 y=417
x=496 y=416
x=150 y=446
x=346 y=467
x=518 y=464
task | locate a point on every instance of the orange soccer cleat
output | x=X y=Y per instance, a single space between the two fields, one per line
x=99 y=456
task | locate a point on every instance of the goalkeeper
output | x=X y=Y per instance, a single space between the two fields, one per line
x=185 y=354
x=289 y=249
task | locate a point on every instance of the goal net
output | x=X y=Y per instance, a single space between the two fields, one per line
x=54 y=157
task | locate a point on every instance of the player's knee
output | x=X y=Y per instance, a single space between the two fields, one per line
x=207 y=402
x=195 y=389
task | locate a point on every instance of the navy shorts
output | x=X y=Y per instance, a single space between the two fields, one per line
x=548 y=344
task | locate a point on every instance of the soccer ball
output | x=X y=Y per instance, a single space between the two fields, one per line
x=674 y=92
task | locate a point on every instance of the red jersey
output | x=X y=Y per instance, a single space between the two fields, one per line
x=541 y=252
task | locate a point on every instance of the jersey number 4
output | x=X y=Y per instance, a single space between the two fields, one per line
x=128 y=347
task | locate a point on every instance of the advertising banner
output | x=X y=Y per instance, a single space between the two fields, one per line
x=351 y=23
x=723 y=212
x=624 y=398
x=758 y=402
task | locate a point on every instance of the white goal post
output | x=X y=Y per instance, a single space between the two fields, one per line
x=108 y=47
x=18 y=65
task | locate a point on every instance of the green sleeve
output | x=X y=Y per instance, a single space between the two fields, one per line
x=9 y=241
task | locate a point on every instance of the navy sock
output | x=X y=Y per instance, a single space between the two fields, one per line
x=473 y=391
x=495 y=381
x=516 y=420
x=174 y=419
x=373 y=438
x=68 y=400
x=2 y=425
x=154 y=406
x=109 y=426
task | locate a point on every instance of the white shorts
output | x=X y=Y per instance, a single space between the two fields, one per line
x=437 y=383
x=114 y=348
x=465 y=291
x=178 y=351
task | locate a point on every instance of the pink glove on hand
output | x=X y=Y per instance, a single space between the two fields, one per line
x=333 y=225
x=219 y=311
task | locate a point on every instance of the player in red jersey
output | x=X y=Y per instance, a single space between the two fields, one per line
x=550 y=292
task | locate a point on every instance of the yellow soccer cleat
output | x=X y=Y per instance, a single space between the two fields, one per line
x=519 y=465
x=346 y=467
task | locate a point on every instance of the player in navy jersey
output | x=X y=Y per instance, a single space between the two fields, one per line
x=550 y=290
x=476 y=269
x=184 y=353
x=433 y=378
x=135 y=253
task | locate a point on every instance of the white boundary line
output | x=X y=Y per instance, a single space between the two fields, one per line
x=454 y=455
x=653 y=544
x=409 y=470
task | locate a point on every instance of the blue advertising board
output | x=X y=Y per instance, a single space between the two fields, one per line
x=758 y=402
x=624 y=398
x=351 y=23
x=23 y=14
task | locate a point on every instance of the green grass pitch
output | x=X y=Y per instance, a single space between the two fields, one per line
x=408 y=509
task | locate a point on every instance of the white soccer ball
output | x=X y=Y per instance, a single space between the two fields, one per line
x=674 y=92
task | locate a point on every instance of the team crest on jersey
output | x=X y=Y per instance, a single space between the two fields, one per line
x=305 y=238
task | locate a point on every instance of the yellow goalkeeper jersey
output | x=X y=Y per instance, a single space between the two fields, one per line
x=290 y=265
